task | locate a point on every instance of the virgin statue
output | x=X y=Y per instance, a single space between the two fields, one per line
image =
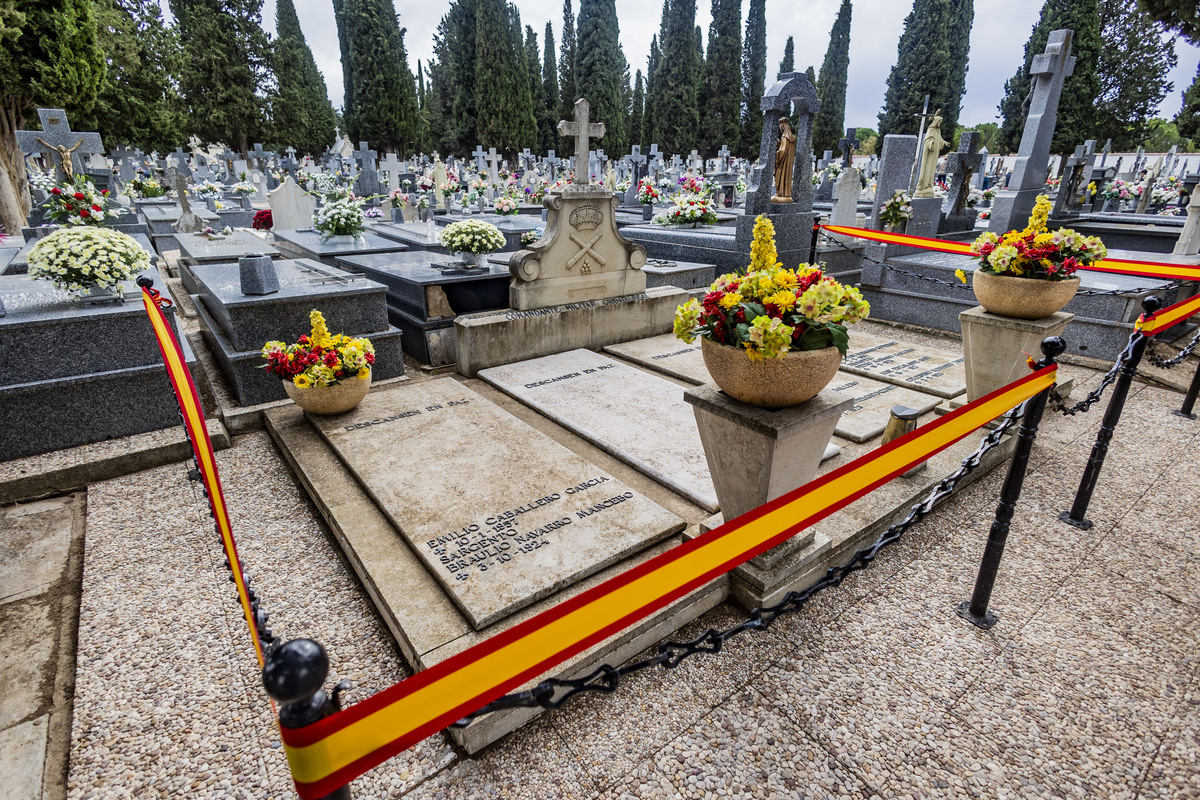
x=930 y=152
x=785 y=159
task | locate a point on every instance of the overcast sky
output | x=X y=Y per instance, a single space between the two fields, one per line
x=997 y=43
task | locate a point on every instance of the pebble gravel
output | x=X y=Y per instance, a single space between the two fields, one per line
x=1086 y=688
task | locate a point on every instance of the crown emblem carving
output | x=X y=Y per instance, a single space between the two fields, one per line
x=585 y=218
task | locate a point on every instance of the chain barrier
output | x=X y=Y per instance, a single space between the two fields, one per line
x=1177 y=359
x=606 y=679
x=960 y=285
x=1057 y=403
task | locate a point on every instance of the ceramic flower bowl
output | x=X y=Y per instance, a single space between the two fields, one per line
x=794 y=377
x=329 y=400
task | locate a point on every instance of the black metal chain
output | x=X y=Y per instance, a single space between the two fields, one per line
x=1057 y=403
x=960 y=285
x=605 y=679
x=1167 y=363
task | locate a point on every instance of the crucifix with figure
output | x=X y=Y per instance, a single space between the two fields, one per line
x=63 y=148
x=849 y=144
x=584 y=130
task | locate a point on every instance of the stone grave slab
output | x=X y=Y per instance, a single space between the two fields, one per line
x=925 y=369
x=311 y=244
x=416 y=235
x=864 y=421
x=684 y=274
x=161 y=217
x=873 y=401
x=202 y=250
x=497 y=538
x=640 y=418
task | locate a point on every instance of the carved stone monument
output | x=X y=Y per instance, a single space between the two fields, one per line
x=793 y=221
x=582 y=256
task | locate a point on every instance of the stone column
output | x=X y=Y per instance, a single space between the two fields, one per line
x=754 y=456
x=995 y=348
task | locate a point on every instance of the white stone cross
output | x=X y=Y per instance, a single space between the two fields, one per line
x=493 y=160
x=392 y=167
x=479 y=160
x=583 y=130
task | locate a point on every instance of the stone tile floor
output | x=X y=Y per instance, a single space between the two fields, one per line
x=1086 y=687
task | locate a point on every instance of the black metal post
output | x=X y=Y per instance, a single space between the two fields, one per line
x=1077 y=516
x=976 y=610
x=293 y=674
x=1189 y=400
x=812 y=249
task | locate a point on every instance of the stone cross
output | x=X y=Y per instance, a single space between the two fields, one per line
x=723 y=154
x=393 y=168
x=526 y=160
x=1104 y=153
x=1049 y=70
x=62 y=147
x=365 y=157
x=847 y=144
x=963 y=165
x=1189 y=237
x=583 y=130
x=695 y=161
x=259 y=155
x=480 y=163
x=636 y=159
x=493 y=160
x=552 y=160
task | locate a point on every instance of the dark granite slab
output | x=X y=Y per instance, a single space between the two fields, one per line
x=416 y=235
x=428 y=294
x=7 y=254
x=98 y=374
x=19 y=264
x=683 y=274
x=202 y=250
x=310 y=244
x=350 y=305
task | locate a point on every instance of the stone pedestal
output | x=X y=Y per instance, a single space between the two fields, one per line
x=995 y=347
x=756 y=455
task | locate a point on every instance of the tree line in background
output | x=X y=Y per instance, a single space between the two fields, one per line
x=119 y=68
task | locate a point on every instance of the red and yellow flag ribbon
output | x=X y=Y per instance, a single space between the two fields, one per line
x=1169 y=316
x=333 y=751
x=197 y=430
x=1116 y=266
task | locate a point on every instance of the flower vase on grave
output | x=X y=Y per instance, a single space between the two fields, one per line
x=647 y=211
x=475 y=260
x=792 y=378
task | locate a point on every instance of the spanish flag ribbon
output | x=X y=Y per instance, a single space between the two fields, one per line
x=197 y=430
x=333 y=751
x=1116 y=266
x=1169 y=316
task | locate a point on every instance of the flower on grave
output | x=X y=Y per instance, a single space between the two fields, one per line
x=319 y=359
x=448 y=188
x=1091 y=189
x=341 y=217
x=43 y=180
x=79 y=203
x=425 y=183
x=687 y=209
x=397 y=198
x=208 y=231
x=740 y=186
x=961 y=275
x=1172 y=211
x=974 y=196
x=989 y=195
x=1118 y=189
x=226 y=231
x=75 y=259
x=472 y=236
x=374 y=212
x=985 y=214
x=506 y=205
x=207 y=190
x=897 y=210
x=529 y=237
x=263 y=220
x=769 y=310
x=218 y=205
x=1052 y=183
x=1036 y=252
x=144 y=187
x=647 y=194
x=243 y=187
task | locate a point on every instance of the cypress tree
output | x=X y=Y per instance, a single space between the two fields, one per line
x=676 y=108
x=1132 y=69
x=455 y=45
x=788 y=62
x=423 y=140
x=438 y=103
x=1188 y=119
x=501 y=85
x=831 y=85
x=137 y=103
x=50 y=56
x=812 y=75
x=637 y=112
x=566 y=74
x=754 y=75
x=533 y=65
x=382 y=108
x=962 y=16
x=722 y=80
x=221 y=86
x=1076 y=106
x=599 y=66
x=649 y=124
x=922 y=68
x=302 y=114
x=548 y=113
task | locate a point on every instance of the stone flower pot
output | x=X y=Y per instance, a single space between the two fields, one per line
x=647 y=211
x=329 y=400
x=1022 y=298
x=796 y=376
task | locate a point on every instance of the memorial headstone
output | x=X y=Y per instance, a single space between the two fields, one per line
x=895 y=170
x=63 y=148
x=291 y=207
x=964 y=164
x=1049 y=70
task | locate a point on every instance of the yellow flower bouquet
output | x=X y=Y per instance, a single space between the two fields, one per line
x=771 y=310
x=319 y=359
x=1036 y=252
